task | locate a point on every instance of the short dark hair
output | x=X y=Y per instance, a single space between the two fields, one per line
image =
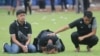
x=19 y=12
x=50 y=47
x=88 y=14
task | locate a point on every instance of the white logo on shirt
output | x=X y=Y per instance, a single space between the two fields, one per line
x=26 y=27
x=81 y=22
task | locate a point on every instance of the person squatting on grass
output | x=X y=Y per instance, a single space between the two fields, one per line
x=20 y=32
x=86 y=31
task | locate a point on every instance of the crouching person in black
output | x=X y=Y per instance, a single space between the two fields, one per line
x=86 y=31
x=47 y=44
x=20 y=32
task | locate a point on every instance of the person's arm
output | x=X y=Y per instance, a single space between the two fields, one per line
x=66 y=27
x=59 y=30
x=13 y=37
x=29 y=35
x=88 y=35
x=29 y=39
x=24 y=48
x=12 y=31
x=94 y=28
x=62 y=29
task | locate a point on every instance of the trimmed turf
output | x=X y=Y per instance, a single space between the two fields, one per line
x=53 y=21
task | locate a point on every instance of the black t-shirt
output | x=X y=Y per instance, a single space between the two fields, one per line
x=15 y=27
x=82 y=28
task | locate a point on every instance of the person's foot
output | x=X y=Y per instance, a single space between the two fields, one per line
x=4 y=47
x=78 y=49
x=88 y=49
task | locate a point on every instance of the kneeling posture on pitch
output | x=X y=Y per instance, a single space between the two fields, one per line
x=47 y=44
x=20 y=31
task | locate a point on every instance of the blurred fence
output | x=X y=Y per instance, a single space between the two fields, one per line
x=34 y=2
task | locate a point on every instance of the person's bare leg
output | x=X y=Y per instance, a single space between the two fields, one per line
x=13 y=11
x=78 y=49
x=9 y=10
x=88 y=49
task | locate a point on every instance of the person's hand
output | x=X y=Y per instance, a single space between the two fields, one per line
x=25 y=49
x=51 y=34
x=81 y=38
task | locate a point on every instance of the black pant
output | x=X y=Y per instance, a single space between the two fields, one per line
x=63 y=2
x=73 y=3
x=86 y=4
x=52 y=5
x=27 y=5
x=42 y=4
x=91 y=41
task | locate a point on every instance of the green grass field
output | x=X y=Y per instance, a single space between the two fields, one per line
x=52 y=21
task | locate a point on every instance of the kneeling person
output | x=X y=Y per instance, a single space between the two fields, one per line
x=20 y=31
x=48 y=44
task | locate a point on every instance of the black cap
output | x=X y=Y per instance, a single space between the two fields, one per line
x=88 y=14
x=19 y=12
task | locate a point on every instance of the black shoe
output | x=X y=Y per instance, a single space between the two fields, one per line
x=4 y=47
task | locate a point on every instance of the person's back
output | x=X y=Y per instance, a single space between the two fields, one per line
x=44 y=41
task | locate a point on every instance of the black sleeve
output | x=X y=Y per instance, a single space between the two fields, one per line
x=74 y=23
x=30 y=29
x=12 y=29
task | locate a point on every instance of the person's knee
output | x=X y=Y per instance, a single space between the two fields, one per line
x=74 y=35
x=6 y=47
x=96 y=40
x=31 y=48
x=14 y=48
x=11 y=49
